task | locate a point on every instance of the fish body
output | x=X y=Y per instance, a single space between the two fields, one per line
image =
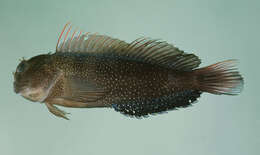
x=137 y=79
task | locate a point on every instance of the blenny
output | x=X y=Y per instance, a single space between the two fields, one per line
x=140 y=78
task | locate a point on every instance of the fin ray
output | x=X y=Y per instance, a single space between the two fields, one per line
x=220 y=78
x=142 y=49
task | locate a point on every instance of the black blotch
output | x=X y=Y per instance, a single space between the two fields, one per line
x=142 y=108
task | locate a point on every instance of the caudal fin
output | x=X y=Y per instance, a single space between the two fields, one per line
x=220 y=78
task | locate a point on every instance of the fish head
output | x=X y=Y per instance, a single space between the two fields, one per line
x=31 y=78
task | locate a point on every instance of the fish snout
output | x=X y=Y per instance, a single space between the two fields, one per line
x=16 y=90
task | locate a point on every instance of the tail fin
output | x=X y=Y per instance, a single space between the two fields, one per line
x=220 y=78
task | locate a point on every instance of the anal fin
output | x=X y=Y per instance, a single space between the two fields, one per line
x=142 y=108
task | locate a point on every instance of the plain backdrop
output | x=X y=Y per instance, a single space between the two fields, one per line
x=213 y=30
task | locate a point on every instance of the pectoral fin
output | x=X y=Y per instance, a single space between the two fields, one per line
x=84 y=91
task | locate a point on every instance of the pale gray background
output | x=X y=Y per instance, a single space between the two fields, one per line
x=214 y=30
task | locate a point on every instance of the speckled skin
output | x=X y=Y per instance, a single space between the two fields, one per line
x=121 y=79
x=132 y=87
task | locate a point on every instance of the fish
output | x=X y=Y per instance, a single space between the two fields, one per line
x=138 y=79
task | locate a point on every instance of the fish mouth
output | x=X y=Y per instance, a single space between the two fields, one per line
x=18 y=87
x=24 y=92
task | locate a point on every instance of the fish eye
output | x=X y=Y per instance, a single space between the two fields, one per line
x=21 y=67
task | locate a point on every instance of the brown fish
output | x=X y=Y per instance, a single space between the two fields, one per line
x=137 y=79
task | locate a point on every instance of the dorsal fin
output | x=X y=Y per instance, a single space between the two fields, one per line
x=87 y=42
x=161 y=53
x=147 y=50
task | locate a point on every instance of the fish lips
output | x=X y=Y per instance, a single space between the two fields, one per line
x=17 y=87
